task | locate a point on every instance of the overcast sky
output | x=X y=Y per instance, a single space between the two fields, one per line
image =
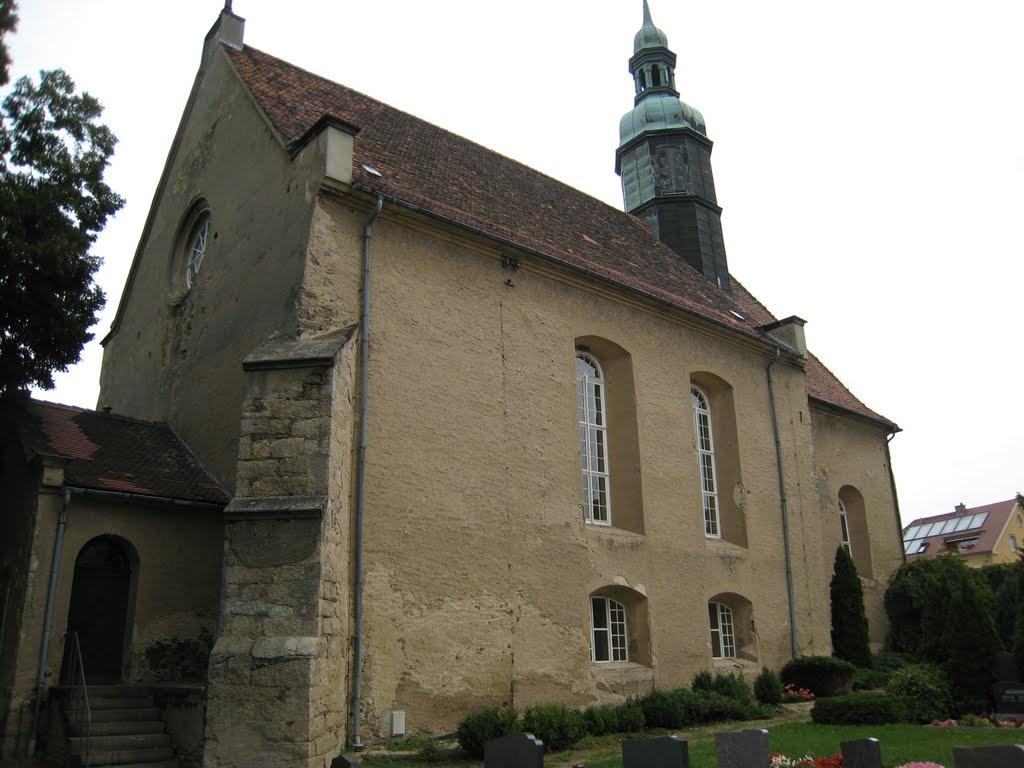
x=868 y=157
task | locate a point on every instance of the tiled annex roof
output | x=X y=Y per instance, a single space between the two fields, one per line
x=463 y=182
x=116 y=453
x=995 y=521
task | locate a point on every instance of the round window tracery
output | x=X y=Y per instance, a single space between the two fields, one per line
x=195 y=248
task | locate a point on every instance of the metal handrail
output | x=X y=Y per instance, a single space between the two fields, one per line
x=78 y=697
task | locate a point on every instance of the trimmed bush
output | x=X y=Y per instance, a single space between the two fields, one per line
x=711 y=707
x=631 y=717
x=865 y=679
x=732 y=686
x=768 y=688
x=557 y=725
x=849 y=621
x=890 y=661
x=703 y=681
x=614 y=718
x=479 y=727
x=861 y=709
x=822 y=675
x=665 y=709
x=926 y=687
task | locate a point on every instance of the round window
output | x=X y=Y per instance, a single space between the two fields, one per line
x=195 y=248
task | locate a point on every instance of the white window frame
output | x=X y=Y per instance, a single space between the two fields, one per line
x=723 y=629
x=593 y=432
x=705 y=440
x=844 y=528
x=1013 y=543
x=608 y=621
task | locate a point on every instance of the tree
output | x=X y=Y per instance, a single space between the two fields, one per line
x=971 y=643
x=849 y=620
x=8 y=21
x=1018 y=632
x=53 y=203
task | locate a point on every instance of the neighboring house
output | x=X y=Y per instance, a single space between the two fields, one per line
x=487 y=437
x=984 y=535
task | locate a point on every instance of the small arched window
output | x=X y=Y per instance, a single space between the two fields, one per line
x=1013 y=543
x=723 y=633
x=706 y=462
x=590 y=398
x=609 y=638
x=844 y=526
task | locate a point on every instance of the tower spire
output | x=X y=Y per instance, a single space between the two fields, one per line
x=664 y=159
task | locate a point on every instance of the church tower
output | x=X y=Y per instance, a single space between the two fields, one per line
x=664 y=160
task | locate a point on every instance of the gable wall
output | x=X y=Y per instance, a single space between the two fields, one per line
x=179 y=359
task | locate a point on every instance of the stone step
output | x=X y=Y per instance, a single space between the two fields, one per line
x=120 y=702
x=118 y=691
x=148 y=758
x=119 y=727
x=158 y=764
x=122 y=742
x=124 y=715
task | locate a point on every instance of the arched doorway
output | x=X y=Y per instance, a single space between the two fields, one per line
x=98 y=612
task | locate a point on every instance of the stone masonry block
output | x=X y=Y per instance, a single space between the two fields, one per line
x=285 y=647
x=286 y=447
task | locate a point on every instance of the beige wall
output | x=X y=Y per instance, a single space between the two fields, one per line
x=180 y=360
x=850 y=454
x=478 y=563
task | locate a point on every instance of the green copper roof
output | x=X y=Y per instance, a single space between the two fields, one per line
x=658 y=105
x=649 y=35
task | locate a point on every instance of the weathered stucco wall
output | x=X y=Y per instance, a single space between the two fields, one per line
x=478 y=563
x=177 y=357
x=850 y=454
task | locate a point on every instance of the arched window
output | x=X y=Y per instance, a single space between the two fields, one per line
x=723 y=633
x=844 y=525
x=590 y=398
x=706 y=462
x=1013 y=543
x=609 y=639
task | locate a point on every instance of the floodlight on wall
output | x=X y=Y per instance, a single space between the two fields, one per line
x=372 y=171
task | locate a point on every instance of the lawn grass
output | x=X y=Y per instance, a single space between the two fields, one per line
x=900 y=744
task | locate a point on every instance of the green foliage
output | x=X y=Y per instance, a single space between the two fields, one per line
x=869 y=679
x=890 y=661
x=53 y=203
x=1007 y=602
x=631 y=717
x=8 y=22
x=666 y=709
x=557 y=725
x=860 y=709
x=614 y=718
x=1018 y=632
x=732 y=686
x=927 y=689
x=703 y=681
x=822 y=675
x=768 y=687
x=849 y=620
x=970 y=643
x=480 y=727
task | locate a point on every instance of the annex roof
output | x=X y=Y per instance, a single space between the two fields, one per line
x=978 y=528
x=462 y=182
x=108 y=452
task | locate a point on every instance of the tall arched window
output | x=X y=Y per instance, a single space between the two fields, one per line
x=590 y=397
x=723 y=633
x=706 y=462
x=844 y=525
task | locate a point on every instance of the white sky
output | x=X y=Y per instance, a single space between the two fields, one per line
x=868 y=157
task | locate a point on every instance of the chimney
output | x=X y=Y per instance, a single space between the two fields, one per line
x=960 y=508
x=790 y=331
x=229 y=28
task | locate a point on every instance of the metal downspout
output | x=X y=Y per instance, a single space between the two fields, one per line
x=895 y=498
x=784 y=503
x=364 y=354
x=44 y=647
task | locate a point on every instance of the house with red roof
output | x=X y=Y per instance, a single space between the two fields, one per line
x=985 y=535
x=485 y=437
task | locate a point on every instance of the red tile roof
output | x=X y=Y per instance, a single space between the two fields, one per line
x=469 y=185
x=116 y=453
x=998 y=513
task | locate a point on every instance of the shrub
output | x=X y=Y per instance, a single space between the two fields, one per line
x=970 y=643
x=732 y=686
x=927 y=688
x=860 y=709
x=614 y=718
x=822 y=675
x=703 y=681
x=849 y=621
x=631 y=717
x=557 y=725
x=480 y=727
x=768 y=688
x=664 y=709
x=890 y=661
x=865 y=679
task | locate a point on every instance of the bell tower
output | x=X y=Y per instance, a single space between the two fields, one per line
x=664 y=160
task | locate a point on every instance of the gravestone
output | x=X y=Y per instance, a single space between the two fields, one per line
x=662 y=752
x=862 y=753
x=743 y=749
x=1008 y=691
x=520 y=750
x=998 y=756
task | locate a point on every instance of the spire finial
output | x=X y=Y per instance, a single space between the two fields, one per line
x=647 y=14
x=227 y=5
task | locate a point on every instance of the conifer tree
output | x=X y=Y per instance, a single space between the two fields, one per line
x=849 y=620
x=971 y=642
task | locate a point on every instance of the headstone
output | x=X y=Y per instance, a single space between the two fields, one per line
x=998 y=756
x=520 y=750
x=345 y=761
x=1008 y=691
x=662 y=752
x=743 y=749
x=862 y=753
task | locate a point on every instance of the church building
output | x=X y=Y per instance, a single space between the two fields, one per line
x=468 y=434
